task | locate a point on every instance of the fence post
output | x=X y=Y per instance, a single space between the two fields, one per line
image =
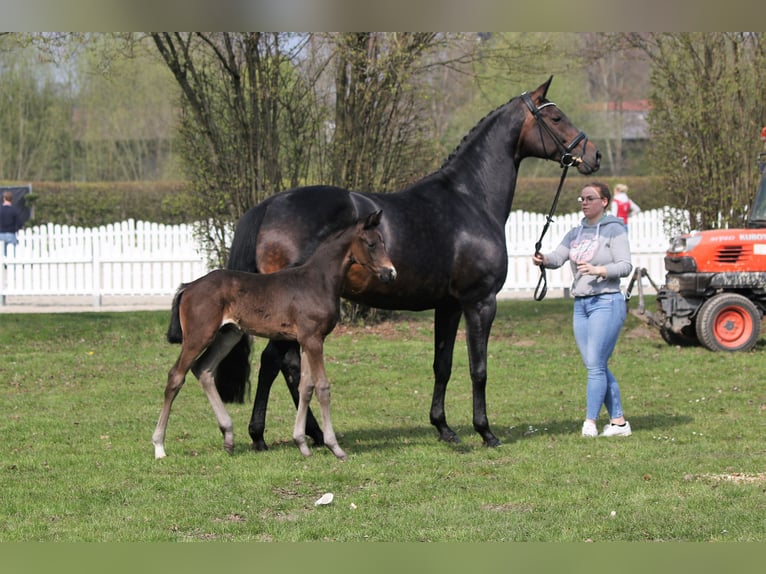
x=96 y=268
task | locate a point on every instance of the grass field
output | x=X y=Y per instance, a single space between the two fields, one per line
x=81 y=393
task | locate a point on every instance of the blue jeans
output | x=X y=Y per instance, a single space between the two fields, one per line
x=6 y=239
x=597 y=322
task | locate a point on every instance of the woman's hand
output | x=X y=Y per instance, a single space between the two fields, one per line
x=588 y=269
x=538 y=259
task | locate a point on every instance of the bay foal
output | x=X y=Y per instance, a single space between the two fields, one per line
x=302 y=304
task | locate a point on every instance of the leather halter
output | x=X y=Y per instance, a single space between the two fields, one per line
x=567 y=159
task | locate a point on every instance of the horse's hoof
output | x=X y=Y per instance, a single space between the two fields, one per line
x=259 y=445
x=339 y=453
x=492 y=442
x=449 y=436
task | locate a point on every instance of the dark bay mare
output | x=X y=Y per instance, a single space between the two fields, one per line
x=445 y=234
x=299 y=304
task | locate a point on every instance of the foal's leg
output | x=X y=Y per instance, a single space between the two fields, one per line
x=284 y=356
x=313 y=376
x=176 y=378
x=204 y=370
x=446 y=321
x=478 y=322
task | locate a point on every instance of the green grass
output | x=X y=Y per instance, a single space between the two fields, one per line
x=81 y=394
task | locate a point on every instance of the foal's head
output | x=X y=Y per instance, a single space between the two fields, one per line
x=369 y=250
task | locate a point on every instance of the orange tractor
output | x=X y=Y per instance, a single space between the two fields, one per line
x=715 y=283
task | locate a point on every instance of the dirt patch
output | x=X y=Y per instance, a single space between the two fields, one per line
x=642 y=332
x=734 y=477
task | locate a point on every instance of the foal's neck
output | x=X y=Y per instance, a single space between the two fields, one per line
x=332 y=259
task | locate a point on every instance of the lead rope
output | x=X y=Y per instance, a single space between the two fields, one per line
x=542 y=284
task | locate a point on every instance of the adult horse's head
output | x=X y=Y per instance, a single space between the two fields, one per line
x=548 y=133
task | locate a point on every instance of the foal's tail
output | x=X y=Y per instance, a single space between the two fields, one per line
x=175 y=334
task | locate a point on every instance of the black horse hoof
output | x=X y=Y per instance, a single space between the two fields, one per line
x=449 y=436
x=259 y=446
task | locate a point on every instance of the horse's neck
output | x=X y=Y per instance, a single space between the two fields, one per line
x=332 y=260
x=485 y=164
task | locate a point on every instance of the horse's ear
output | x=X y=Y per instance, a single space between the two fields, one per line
x=373 y=219
x=542 y=91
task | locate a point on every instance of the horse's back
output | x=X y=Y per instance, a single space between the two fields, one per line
x=283 y=230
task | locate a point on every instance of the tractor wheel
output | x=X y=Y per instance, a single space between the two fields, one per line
x=728 y=322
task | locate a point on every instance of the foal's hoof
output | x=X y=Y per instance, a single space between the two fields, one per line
x=339 y=453
x=492 y=442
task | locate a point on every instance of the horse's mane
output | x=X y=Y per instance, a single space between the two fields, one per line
x=471 y=132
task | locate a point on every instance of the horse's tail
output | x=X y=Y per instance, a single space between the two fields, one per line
x=175 y=334
x=242 y=252
x=232 y=377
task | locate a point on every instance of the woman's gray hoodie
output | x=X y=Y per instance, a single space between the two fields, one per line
x=605 y=243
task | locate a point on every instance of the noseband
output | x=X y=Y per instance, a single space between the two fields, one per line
x=566 y=160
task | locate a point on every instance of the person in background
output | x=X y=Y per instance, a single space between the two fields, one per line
x=622 y=206
x=599 y=254
x=10 y=221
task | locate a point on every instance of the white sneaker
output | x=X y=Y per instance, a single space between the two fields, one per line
x=589 y=430
x=617 y=430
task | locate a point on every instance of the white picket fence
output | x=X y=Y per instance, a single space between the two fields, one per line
x=129 y=258
x=136 y=258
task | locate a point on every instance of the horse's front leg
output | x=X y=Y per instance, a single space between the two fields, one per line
x=446 y=321
x=313 y=377
x=305 y=391
x=478 y=320
x=284 y=356
x=291 y=370
x=323 y=396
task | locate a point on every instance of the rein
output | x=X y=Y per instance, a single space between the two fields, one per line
x=567 y=160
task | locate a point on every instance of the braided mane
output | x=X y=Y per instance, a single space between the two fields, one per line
x=470 y=133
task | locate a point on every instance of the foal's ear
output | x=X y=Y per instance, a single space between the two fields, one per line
x=373 y=219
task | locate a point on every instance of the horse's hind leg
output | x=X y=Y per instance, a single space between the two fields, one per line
x=204 y=370
x=176 y=378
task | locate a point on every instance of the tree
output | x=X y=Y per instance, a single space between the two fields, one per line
x=259 y=113
x=240 y=91
x=34 y=114
x=377 y=112
x=617 y=72
x=708 y=105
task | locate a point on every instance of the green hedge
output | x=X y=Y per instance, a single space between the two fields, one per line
x=94 y=204
x=536 y=194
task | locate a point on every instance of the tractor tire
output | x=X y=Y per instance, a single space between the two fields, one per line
x=728 y=322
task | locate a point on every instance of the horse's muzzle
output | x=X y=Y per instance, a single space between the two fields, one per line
x=387 y=274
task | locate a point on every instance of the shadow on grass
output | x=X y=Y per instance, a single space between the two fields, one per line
x=393 y=438
x=639 y=423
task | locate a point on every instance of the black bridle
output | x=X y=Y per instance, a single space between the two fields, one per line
x=567 y=159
